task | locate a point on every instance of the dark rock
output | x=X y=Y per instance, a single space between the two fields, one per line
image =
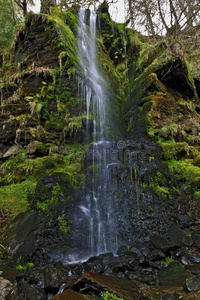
x=193 y=284
x=54 y=276
x=96 y=283
x=196 y=238
x=69 y=295
x=5 y=287
x=8 y=272
x=185 y=221
x=106 y=257
x=35 y=41
x=122 y=249
x=21 y=237
x=161 y=243
x=194 y=269
x=191 y=259
x=173 y=275
x=155 y=254
x=31 y=292
x=177 y=236
x=135 y=250
x=177 y=77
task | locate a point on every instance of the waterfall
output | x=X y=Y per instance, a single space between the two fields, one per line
x=96 y=221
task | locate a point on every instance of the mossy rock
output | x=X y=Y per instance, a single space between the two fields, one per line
x=45 y=185
x=173 y=275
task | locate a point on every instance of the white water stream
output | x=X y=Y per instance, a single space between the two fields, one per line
x=96 y=217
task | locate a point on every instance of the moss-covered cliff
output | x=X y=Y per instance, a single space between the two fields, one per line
x=152 y=118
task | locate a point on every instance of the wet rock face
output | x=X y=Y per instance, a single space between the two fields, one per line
x=174 y=75
x=22 y=235
x=54 y=277
x=36 y=42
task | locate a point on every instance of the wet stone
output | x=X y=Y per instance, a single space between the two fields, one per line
x=191 y=259
x=193 y=284
x=174 y=274
x=196 y=238
x=161 y=243
x=177 y=236
x=155 y=254
x=5 y=287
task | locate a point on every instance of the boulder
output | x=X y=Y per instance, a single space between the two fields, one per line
x=21 y=237
x=196 y=238
x=155 y=254
x=193 y=283
x=177 y=236
x=191 y=259
x=54 y=276
x=45 y=185
x=31 y=292
x=96 y=283
x=173 y=275
x=161 y=243
x=69 y=295
x=5 y=287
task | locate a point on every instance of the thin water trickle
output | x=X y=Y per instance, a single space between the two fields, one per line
x=96 y=218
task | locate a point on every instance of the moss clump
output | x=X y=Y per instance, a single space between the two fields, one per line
x=16 y=198
x=171 y=149
x=159 y=185
x=149 y=53
x=66 y=36
x=187 y=170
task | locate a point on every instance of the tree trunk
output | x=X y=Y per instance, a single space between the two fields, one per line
x=162 y=18
x=24 y=7
x=149 y=19
x=13 y=11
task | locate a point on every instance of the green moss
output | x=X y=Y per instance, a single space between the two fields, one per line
x=66 y=36
x=149 y=53
x=16 y=198
x=186 y=169
x=48 y=207
x=74 y=125
x=109 y=296
x=55 y=122
x=159 y=185
x=171 y=149
x=197 y=195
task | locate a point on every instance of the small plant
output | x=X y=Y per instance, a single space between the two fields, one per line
x=21 y=267
x=64 y=225
x=109 y=296
x=30 y=265
x=168 y=260
x=48 y=207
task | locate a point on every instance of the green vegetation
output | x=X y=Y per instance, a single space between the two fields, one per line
x=109 y=296
x=62 y=22
x=167 y=261
x=159 y=185
x=64 y=225
x=20 y=174
x=23 y=267
x=7 y=25
x=48 y=207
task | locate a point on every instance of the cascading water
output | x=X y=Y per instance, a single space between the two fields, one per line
x=95 y=219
